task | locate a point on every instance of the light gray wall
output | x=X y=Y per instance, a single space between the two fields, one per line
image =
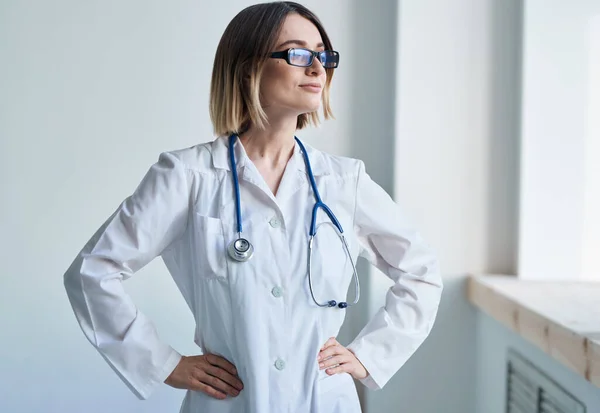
x=456 y=174
x=493 y=342
x=91 y=93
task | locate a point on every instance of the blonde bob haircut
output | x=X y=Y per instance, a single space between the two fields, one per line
x=243 y=50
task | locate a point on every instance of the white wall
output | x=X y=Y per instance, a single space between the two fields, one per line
x=556 y=85
x=591 y=217
x=91 y=93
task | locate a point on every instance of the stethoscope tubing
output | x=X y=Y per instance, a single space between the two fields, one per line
x=244 y=256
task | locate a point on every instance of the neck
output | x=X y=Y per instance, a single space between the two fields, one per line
x=272 y=146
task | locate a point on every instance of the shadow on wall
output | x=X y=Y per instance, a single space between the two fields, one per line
x=372 y=62
x=504 y=111
x=373 y=65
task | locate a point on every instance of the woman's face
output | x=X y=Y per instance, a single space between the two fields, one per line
x=283 y=87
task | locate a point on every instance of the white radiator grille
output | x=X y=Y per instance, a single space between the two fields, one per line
x=531 y=391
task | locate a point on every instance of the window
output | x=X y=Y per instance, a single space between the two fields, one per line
x=559 y=214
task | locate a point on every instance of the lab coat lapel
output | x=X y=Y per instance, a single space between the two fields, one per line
x=246 y=170
x=295 y=175
x=292 y=179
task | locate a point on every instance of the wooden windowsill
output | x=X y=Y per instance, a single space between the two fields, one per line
x=561 y=318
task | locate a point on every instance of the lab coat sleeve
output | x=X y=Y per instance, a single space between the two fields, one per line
x=144 y=225
x=388 y=241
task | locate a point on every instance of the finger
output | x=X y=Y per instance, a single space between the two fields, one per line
x=217 y=384
x=333 y=361
x=221 y=380
x=221 y=362
x=325 y=345
x=197 y=385
x=332 y=351
x=336 y=370
x=330 y=342
x=225 y=376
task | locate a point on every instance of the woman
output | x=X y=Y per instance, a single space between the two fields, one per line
x=232 y=220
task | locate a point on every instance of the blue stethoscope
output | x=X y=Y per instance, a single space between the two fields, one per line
x=241 y=249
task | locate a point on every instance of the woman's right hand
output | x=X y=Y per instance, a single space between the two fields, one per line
x=207 y=373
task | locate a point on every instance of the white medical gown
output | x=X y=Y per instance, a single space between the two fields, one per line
x=259 y=315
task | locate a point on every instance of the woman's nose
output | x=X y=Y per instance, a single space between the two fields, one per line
x=317 y=66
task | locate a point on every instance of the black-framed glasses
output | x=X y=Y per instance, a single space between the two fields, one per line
x=304 y=57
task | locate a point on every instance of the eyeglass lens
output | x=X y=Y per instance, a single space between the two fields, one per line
x=303 y=57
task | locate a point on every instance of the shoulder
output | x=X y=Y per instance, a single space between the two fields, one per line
x=344 y=167
x=196 y=158
x=201 y=158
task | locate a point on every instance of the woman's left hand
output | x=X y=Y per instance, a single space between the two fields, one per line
x=333 y=353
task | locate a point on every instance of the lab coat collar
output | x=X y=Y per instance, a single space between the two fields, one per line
x=220 y=157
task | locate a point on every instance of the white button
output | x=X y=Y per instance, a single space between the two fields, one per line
x=277 y=291
x=280 y=364
x=275 y=222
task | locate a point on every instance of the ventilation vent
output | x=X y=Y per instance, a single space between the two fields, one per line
x=531 y=391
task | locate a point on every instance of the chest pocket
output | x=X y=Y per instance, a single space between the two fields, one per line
x=330 y=264
x=209 y=249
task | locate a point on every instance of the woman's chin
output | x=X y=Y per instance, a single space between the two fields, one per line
x=312 y=108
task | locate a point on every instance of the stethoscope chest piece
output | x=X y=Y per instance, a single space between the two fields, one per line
x=240 y=250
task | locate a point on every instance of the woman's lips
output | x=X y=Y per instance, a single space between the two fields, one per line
x=311 y=88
